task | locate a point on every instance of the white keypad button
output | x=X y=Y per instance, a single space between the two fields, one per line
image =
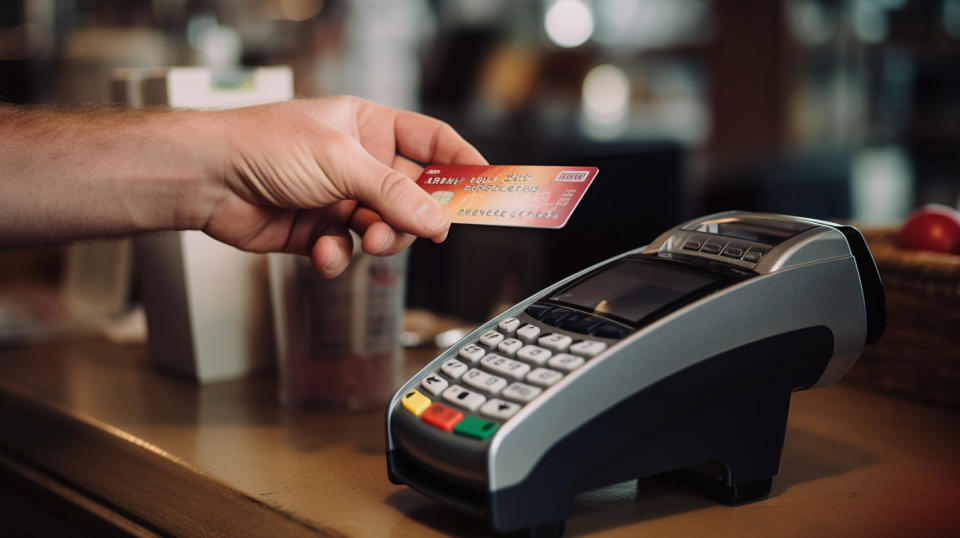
x=528 y=333
x=509 y=346
x=520 y=392
x=544 y=377
x=565 y=362
x=472 y=353
x=496 y=408
x=588 y=348
x=491 y=338
x=479 y=379
x=555 y=341
x=434 y=384
x=454 y=368
x=534 y=354
x=509 y=325
x=504 y=366
x=463 y=397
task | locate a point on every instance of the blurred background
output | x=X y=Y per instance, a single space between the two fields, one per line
x=846 y=109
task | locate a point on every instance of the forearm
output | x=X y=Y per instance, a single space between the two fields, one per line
x=75 y=174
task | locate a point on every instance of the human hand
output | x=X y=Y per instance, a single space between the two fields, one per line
x=296 y=176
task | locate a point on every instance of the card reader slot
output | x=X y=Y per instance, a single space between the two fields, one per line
x=461 y=458
x=874 y=299
x=404 y=470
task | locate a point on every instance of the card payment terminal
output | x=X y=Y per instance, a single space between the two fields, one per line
x=678 y=357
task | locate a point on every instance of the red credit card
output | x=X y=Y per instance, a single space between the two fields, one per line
x=508 y=195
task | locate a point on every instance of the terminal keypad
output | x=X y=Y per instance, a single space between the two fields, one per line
x=489 y=380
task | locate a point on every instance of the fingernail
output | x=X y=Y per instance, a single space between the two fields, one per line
x=430 y=216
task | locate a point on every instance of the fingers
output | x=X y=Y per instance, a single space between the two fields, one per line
x=430 y=140
x=394 y=196
x=309 y=224
x=379 y=238
x=385 y=239
x=322 y=235
x=331 y=253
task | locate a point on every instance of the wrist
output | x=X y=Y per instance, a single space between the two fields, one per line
x=183 y=179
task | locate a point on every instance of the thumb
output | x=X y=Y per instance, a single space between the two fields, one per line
x=394 y=196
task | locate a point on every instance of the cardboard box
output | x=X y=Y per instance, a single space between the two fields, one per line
x=207 y=303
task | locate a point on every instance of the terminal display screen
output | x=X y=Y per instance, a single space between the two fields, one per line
x=634 y=289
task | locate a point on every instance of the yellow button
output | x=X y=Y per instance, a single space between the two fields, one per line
x=415 y=402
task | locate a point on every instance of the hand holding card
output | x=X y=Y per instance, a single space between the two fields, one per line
x=508 y=195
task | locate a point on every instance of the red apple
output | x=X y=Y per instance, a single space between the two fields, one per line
x=932 y=227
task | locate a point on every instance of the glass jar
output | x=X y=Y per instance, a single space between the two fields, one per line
x=338 y=340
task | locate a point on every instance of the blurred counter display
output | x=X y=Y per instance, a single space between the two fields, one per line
x=919 y=354
x=32 y=307
x=33 y=312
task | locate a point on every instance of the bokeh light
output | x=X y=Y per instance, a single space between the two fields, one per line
x=606 y=94
x=951 y=17
x=569 y=23
x=870 y=21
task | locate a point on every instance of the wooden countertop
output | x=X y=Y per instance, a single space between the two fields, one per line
x=92 y=421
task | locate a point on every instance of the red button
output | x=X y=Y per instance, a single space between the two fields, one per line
x=441 y=416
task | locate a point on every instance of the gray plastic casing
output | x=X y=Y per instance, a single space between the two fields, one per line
x=810 y=279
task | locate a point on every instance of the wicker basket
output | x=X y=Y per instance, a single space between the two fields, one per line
x=919 y=354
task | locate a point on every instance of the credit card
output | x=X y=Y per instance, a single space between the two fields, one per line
x=508 y=195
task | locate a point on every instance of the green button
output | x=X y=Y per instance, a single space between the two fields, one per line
x=476 y=428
